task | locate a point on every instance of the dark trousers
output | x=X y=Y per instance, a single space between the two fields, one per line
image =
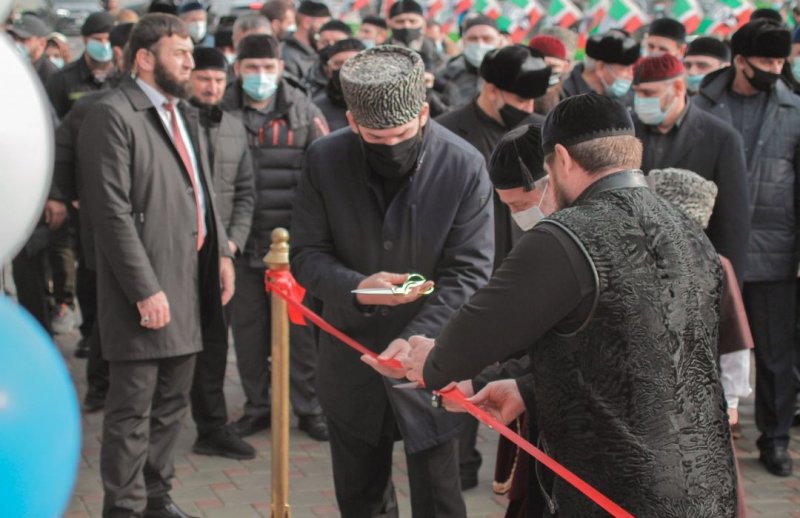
x=770 y=309
x=209 y=410
x=469 y=457
x=251 y=324
x=145 y=406
x=29 y=277
x=62 y=261
x=96 y=365
x=86 y=289
x=362 y=476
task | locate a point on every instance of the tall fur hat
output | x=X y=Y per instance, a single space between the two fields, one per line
x=687 y=190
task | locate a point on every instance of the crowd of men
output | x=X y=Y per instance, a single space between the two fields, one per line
x=513 y=177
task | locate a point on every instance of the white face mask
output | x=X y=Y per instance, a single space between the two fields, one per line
x=528 y=218
x=197 y=31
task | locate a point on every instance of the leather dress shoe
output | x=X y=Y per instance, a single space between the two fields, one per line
x=315 y=426
x=223 y=442
x=94 y=401
x=776 y=460
x=248 y=425
x=165 y=509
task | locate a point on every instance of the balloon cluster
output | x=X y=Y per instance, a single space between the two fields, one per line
x=39 y=415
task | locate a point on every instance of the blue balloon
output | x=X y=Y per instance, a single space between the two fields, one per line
x=40 y=428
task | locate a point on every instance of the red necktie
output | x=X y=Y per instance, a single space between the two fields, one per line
x=177 y=139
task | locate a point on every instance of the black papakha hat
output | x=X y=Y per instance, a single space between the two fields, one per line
x=518 y=159
x=615 y=46
x=711 y=47
x=344 y=45
x=517 y=70
x=209 y=58
x=763 y=38
x=668 y=28
x=585 y=117
x=97 y=23
x=405 y=7
x=259 y=46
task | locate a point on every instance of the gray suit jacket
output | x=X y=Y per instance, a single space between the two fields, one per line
x=142 y=209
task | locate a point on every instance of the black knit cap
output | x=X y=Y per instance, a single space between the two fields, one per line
x=377 y=21
x=120 y=34
x=615 y=46
x=405 y=7
x=190 y=6
x=345 y=45
x=711 y=47
x=313 y=9
x=162 y=6
x=767 y=14
x=763 y=38
x=336 y=25
x=668 y=28
x=480 y=19
x=585 y=117
x=97 y=23
x=259 y=46
x=223 y=38
x=517 y=70
x=209 y=58
x=518 y=159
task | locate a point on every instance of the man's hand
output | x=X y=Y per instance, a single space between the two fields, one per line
x=227 y=279
x=154 y=311
x=232 y=247
x=733 y=416
x=420 y=348
x=389 y=280
x=397 y=350
x=465 y=387
x=501 y=399
x=55 y=212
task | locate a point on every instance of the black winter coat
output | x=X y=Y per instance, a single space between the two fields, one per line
x=772 y=177
x=439 y=225
x=457 y=82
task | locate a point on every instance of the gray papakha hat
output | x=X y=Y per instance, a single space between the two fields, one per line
x=384 y=87
x=687 y=190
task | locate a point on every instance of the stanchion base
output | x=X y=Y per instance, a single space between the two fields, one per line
x=287 y=512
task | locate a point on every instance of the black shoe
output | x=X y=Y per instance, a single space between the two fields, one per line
x=315 y=426
x=223 y=442
x=94 y=401
x=165 y=509
x=777 y=461
x=469 y=481
x=247 y=425
x=82 y=349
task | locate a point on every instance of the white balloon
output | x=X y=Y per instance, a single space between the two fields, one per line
x=5 y=8
x=26 y=150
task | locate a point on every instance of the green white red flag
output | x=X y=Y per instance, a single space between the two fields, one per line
x=563 y=13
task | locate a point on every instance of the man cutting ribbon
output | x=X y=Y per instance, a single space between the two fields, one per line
x=616 y=297
x=393 y=194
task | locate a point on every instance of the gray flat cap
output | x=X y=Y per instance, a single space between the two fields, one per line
x=384 y=87
x=687 y=190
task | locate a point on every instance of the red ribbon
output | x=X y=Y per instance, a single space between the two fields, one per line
x=283 y=284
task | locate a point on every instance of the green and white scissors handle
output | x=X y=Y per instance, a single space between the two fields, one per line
x=414 y=280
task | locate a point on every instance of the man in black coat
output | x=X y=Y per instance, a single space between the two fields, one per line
x=281 y=123
x=753 y=98
x=408 y=30
x=331 y=99
x=513 y=76
x=676 y=134
x=300 y=47
x=394 y=194
x=232 y=174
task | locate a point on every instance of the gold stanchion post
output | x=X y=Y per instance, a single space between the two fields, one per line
x=278 y=259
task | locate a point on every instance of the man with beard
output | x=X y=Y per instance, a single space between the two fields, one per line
x=607 y=68
x=281 y=123
x=331 y=101
x=555 y=55
x=281 y=16
x=622 y=339
x=300 y=47
x=400 y=194
x=512 y=78
x=752 y=97
x=408 y=30
x=318 y=75
x=163 y=265
x=232 y=174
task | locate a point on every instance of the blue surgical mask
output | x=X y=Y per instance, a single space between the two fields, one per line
x=99 y=51
x=368 y=43
x=58 y=61
x=260 y=87
x=475 y=52
x=693 y=82
x=649 y=111
x=23 y=50
x=796 y=68
x=619 y=87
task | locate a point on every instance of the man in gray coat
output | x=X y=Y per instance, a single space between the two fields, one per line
x=752 y=97
x=161 y=279
x=393 y=194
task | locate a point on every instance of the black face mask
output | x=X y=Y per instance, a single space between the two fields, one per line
x=334 y=90
x=761 y=80
x=396 y=160
x=512 y=116
x=406 y=36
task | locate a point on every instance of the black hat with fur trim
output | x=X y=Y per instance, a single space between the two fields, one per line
x=516 y=69
x=762 y=38
x=615 y=46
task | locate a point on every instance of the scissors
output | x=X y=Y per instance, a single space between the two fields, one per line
x=414 y=280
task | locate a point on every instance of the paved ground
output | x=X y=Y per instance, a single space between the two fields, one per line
x=215 y=487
